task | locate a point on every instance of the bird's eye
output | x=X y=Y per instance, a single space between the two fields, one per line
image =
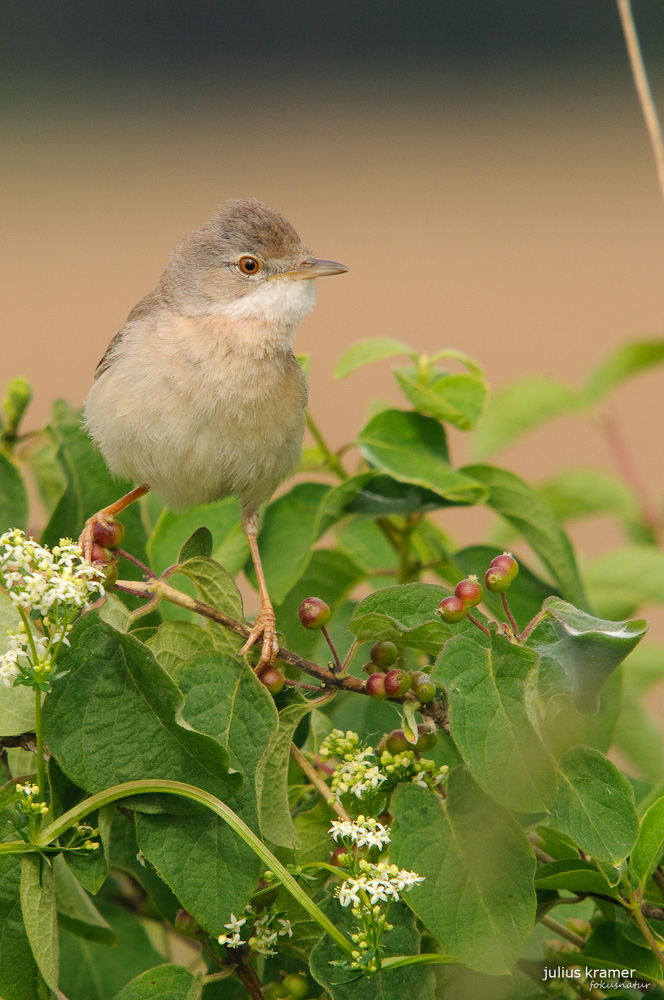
x=249 y=265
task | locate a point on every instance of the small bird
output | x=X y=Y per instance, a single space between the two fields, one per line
x=199 y=395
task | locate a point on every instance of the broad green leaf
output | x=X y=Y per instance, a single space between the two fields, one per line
x=229 y=546
x=93 y=971
x=376 y=495
x=574 y=875
x=519 y=408
x=330 y=575
x=575 y=493
x=198 y=544
x=115 y=613
x=649 y=848
x=388 y=984
x=18 y=970
x=178 y=642
x=14 y=505
x=42 y=459
x=580 y=652
x=91 y=870
x=527 y=591
x=623 y=579
x=413 y=449
x=595 y=805
x=364 y=352
x=458 y=399
x=76 y=911
x=405 y=614
x=165 y=982
x=17 y=704
x=275 y=818
x=90 y=486
x=638 y=736
x=478 y=898
x=114 y=717
x=287 y=536
x=487 y=691
x=365 y=544
x=609 y=948
x=125 y=856
x=524 y=509
x=624 y=363
x=460 y=983
x=39 y=914
x=215 y=586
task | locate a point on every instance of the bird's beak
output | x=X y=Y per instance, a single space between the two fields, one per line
x=313 y=267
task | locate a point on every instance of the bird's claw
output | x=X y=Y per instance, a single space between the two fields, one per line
x=265 y=625
x=86 y=538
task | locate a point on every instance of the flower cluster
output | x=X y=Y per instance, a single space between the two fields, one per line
x=30 y=800
x=264 y=929
x=406 y=766
x=365 y=832
x=380 y=882
x=54 y=585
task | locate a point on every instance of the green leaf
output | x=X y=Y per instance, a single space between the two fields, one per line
x=17 y=704
x=214 y=586
x=198 y=544
x=177 y=642
x=222 y=519
x=576 y=493
x=574 y=875
x=609 y=948
x=637 y=735
x=458 y=399
x=478 y=898
x=580 y=652
x=18 y=970
x=405 y=614
x=165 y=982
x=649 y=848
x=624 y=363
x=42 y=459
x=76 y=911
x=519 y=408
x=39 y=914
x=114 y=717
x=520 y=504
x=93 y=971
x=14 y=505
x=595 y=805
x=275 y=818
x=487 y=693
x=364 y=352
x=376 y=495
x=625 y=578
x=287 y=536
x=388 y=984
x=413 y=449
x=90 y=486
x=126 y=856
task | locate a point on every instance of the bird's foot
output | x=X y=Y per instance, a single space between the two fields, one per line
x=265 y=625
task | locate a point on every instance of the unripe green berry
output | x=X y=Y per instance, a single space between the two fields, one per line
x=507 y=563
x=452 y=609
x=314 y=613
x=188 y=927
x=274 y=991
x=397 y=682
x=470 y=591
x=296 y=986
x=273 y=679
x=108 y=532
x=375 y=686
x=396 y=742
x=426 y=739
x=369 y=668
x=425 y=690
x=496 y=580
x=384 y=654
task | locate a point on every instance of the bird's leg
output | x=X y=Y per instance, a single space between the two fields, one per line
x=87 y=535
x=266 y=622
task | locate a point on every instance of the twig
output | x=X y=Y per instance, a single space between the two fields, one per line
x=328 y=640
x=562 y=931
x=643 y=87
x=478 y=624
x=629 y=472
x=135 y=561
x=510 y=616
x=332 y=460
x=317 y=782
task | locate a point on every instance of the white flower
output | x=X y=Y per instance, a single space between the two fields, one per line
x=363 y=832
x=286 y=928
x=230 y=940
x=235 y=924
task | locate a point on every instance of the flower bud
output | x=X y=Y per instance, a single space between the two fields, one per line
x=384 y=654
x=14 y=404
x=314 y=613
x=452 y=609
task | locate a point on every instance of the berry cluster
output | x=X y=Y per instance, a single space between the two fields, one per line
x=469 y=592
x=387 y=681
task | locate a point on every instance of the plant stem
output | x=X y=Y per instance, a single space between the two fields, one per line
x=135 y=561
x=478 y=624
x=510 y=616
x=39 y=735
x=643 y=87
x=317 y=782
x=337 y=661
x=563 y=931
x=630 y=474
x=250 y=981
x=332 y=460
x=641 y=922
x=532 y=625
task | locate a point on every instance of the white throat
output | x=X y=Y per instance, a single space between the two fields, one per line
x=280 y=302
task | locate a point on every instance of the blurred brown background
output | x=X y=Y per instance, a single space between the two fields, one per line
x=483 y=169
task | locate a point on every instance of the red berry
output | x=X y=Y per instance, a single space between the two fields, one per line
x=108 y=532
x=507 y=564
x=470 y=591
x=496 y=580
x=452 y=609
x=397 y=682
x=272 y=678
x=426 y=739
x=425 y=690
x=314 y=613
x=396 y=742
x=100 y=554
x=375 y=686
x=384 y=654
